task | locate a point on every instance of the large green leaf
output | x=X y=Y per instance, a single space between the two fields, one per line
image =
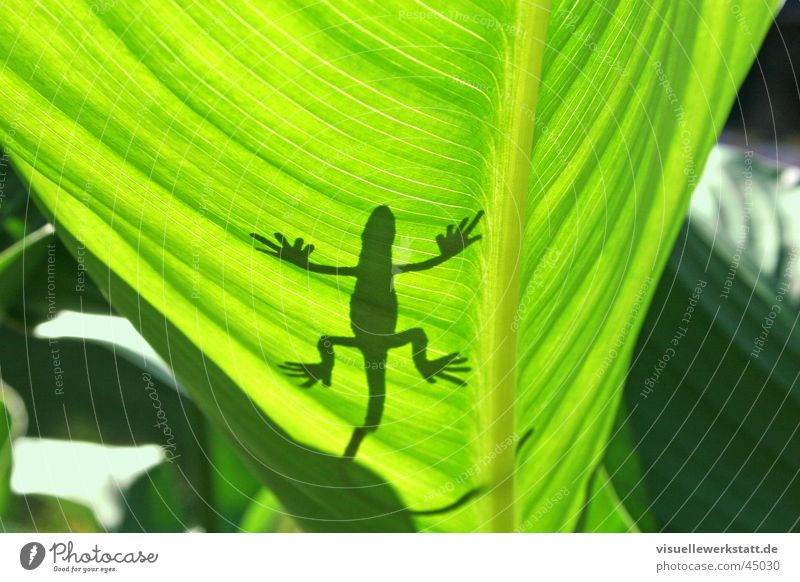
x=713 y=392
x=159 y=136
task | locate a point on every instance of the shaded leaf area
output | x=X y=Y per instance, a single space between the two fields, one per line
x=264 y=514
x=80 y=390
x=616 y=498
x=605 y=513
x=179 y=130
x=214 y=496
x=713 y=395
x=5 y=457
x=24 y=239
x=619 y=500
x=43 y=514
x=108 y=400
x=18 y=213
x=41 y=278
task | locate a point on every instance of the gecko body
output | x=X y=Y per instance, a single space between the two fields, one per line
x=374 y=310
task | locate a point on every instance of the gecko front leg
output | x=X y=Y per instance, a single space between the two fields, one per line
x=297 y=254
x=455 y=239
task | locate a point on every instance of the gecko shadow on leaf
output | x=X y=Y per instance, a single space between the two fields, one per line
x=373 y=311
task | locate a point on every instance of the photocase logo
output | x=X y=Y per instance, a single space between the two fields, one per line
x=31 y=555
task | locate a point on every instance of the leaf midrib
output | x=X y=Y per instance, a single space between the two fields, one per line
x=498 y=343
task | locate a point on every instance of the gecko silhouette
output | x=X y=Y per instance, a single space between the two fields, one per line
x=373 y=311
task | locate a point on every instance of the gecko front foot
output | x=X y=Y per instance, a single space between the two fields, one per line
x=312 y=373
x=444 y=368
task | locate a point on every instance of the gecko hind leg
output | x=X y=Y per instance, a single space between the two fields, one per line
x=430 y=370
x=319 y=371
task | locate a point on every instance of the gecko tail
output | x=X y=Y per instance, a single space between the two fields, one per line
x=461 y=501
x=375 y=365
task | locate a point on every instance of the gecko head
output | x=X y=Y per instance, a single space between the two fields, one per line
x=379 y=230
x=377 y=239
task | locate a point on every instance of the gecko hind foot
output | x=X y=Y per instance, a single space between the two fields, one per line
x=312 y=373
x=444 y=368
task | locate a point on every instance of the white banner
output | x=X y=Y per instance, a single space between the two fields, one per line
x=390 y=557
